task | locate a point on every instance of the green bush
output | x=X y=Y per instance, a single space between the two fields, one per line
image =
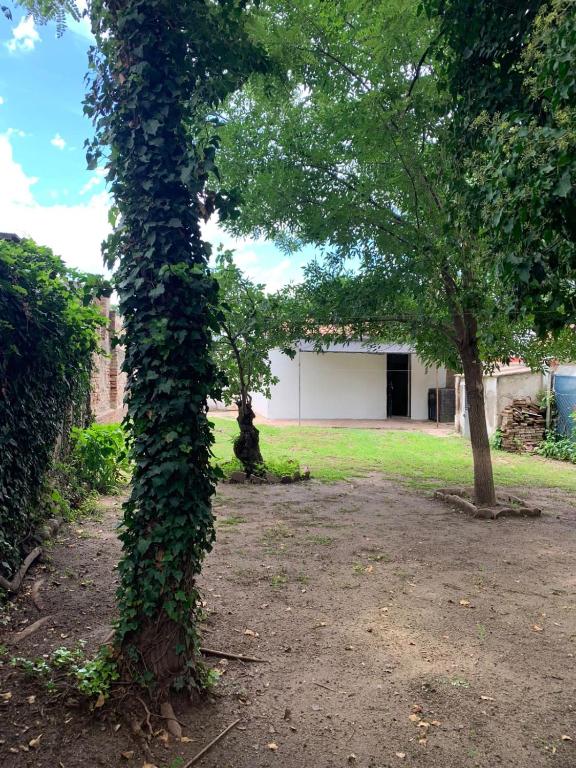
x=281 y=466
x=100 y=457
x=496 y=440
x=48 y=332
x=555 y=447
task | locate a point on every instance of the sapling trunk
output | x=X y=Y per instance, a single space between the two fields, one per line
x=247 y=444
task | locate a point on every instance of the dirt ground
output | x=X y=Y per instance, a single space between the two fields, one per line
x=396 y=632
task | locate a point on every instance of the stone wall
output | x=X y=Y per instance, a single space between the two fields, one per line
x=108 y=379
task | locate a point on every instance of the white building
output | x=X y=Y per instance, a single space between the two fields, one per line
x=350 y=381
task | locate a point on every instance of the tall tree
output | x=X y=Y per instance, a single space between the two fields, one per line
x=510 y=70
x=252 y=325
x=349 y=152
x=160 y=69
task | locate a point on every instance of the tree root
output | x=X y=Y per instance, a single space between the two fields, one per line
x=30 y=630
x=172 y=724
x=16 y=583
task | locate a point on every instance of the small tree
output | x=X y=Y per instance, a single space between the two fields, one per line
x=251 y=326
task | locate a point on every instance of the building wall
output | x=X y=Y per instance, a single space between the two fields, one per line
x=108 y=380
x=499 y=391
x=423 y=378
x=339 y=385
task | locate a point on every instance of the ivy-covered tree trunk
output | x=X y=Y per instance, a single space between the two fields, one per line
x=167 y=300
x=247 y=444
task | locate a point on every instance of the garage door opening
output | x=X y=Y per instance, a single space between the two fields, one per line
x=398 y=386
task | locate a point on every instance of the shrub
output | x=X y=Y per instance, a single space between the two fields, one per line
x=281 y=466
x=555 y=447
x=48 y=331
x=496 y=440
x=100 y=456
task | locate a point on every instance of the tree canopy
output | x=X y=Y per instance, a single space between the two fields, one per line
x=356 y=149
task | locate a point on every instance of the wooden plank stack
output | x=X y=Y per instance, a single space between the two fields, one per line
x=523 y=425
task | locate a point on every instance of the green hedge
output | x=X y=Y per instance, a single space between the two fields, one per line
x=48 y=334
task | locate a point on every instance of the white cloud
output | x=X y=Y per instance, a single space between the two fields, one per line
x=1 y=100
x=75 y=232
x=94 y=181
x=58 y=142
x=24 y=36
x=271 y=274
x=15 y=132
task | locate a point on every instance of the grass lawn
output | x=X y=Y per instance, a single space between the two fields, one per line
x=419 y=459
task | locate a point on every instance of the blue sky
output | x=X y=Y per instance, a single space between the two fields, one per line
x=45 y=190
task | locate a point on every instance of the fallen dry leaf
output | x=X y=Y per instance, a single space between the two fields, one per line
x=128 y=755
x=435 y=722
x=414 y=718
x=250 y=633
x=35 y=743
x=272 y=746
x=566 y=738
x=537 y=628
x=486 y=698
x=465 y=603
x=401 y=755
x=31 y=699
x=423 y=740
x=6 y=696
x=423 y=724
x=186 y=739
x=100 y=701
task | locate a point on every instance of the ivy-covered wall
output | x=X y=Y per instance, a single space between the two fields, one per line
x=48 y=336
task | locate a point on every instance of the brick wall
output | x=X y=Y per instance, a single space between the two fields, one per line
x=108 y=380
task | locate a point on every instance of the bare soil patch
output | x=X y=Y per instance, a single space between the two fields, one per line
x=396 y=633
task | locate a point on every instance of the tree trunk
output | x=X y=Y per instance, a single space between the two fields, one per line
x=484 y=492
x=247 y=444
x=168 y=301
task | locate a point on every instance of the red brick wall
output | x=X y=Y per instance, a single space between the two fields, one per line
x=108 y=380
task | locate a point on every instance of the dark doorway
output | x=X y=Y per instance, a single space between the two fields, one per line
x=398 y=385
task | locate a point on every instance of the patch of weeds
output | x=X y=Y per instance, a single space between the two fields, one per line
x=87 y=583
x=481 y=630
x=70 y=667
x=278 y=580
x=275 y=538
x=177 y=762
x=459 y=682
x=69 y=574
x=277 y=533
x=3 y=650
x=82 y=534
x=302 y=578
x=404 y=575
x=360 y=568
x=381 y=557
x=324 y=541
x=231 y=521
x=209 y=678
